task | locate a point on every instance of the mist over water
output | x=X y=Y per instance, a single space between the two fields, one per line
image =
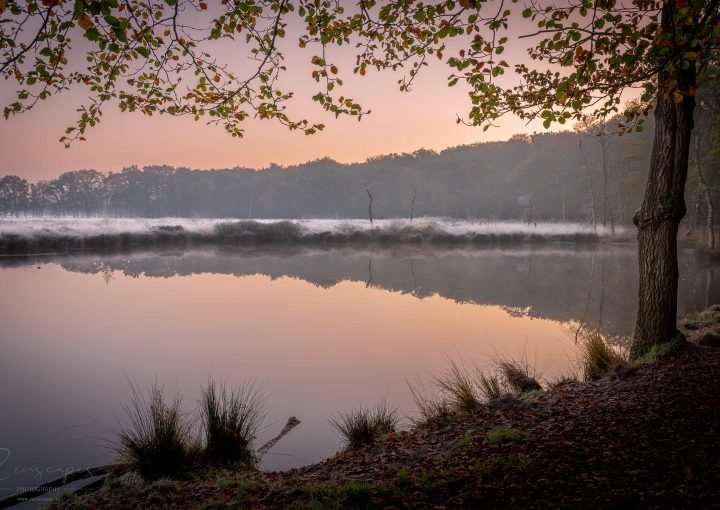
x=324 y=331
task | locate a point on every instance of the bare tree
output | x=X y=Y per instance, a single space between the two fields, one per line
x=702 y=190
x=370 y=206
x=588 y=169
x=412 y=205
x=600 y=130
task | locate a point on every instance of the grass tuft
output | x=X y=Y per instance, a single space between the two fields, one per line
x=457 y=384
x=489 y=386
x=366 y=424
x=556 y=382
x=429 y=406
x=231 y=418
x=517 y=376
x=156 y=440
x=598 y=358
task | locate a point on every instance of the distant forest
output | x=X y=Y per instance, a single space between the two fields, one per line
x=552 y=176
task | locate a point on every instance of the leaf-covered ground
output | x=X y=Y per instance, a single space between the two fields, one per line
x=648 y=439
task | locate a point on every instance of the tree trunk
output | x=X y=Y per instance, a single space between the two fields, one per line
x=370 y=206
x=662 y=209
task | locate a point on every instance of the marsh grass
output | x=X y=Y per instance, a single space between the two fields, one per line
x=598 y=357
x=231 y=419
x=156 y=441
x=561 y=380
x=429 y=405
x=459 y=387
x=365 y=424
x=489 y=386
x=518 y=376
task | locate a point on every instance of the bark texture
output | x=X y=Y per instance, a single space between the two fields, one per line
x=663 y=207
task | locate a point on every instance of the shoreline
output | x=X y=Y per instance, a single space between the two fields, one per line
x=26 y=237
x=647 y=436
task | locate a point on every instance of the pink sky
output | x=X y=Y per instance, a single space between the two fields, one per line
x=400 y=122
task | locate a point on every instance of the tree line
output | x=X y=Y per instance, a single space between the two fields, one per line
x=586 y=175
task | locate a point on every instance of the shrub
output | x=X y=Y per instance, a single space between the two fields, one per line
x=459 y=388
x=428 y=406
x=156 y=439
x=231 y=419
x=276 y=231
x=364 y=425
x=597 y=357
x=489 y=386
x=517 y=376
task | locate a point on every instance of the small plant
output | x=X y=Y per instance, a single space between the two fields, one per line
x=356 y=493
x=231 y=419
x=556 y=382
x=465 y=443
x=428 y=406
x=402 y=477
x=505 y=435
x=365 y=425
x=244 y=487
x=518 y=377
x=459 y=388
x=156 y=439
x=671 y=348
x=489 y=386
x=597 y=357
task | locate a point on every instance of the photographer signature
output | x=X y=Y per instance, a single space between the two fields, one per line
x=36 y=471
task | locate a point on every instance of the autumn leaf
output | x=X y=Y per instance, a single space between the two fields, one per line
x=85 y=22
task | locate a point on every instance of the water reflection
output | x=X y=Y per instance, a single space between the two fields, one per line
x=597 y=286
x=325 y=331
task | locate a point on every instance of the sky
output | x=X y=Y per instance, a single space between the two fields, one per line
x=399 y=122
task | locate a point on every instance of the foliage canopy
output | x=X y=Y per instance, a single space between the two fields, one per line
x=155 y=56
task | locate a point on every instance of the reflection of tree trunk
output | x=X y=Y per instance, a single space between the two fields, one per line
x=709 y=276
x=583 y=318
x=370 y=278
x=412 y=271
x=603 y=281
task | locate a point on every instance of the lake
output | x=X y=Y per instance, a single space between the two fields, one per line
x=322 y=331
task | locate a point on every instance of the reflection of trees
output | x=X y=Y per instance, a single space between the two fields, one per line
x=106 y=272
x=598 y=287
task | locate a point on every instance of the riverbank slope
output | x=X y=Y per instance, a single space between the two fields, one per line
x=648 y=438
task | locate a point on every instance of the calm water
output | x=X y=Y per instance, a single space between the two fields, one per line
x=323 y=331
